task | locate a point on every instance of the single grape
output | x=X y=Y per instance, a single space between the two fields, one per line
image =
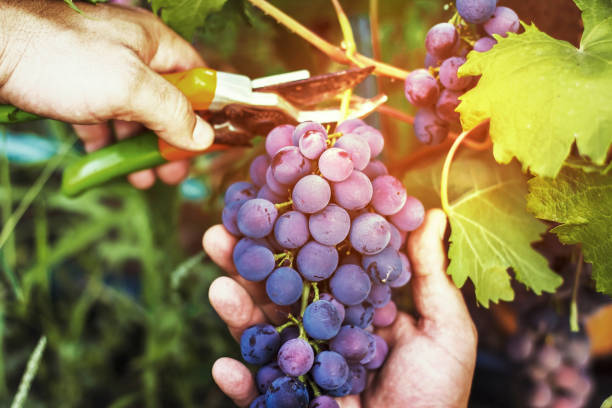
x=357 y=148
x=410 y=217
x=323 y=401
x=421 y=88
x=240 y=191
x=475 y=11
x=578 y=351
x=342 y=391
x=258 y=169
x=504 y=21
x=567 y=378
x=360 y=315
x=357 y=378
x=321 y=320
x=267 y=194
x=311 y=194
x=305 y=127
x=256 y=218
x=374 y=169
x=372 y=136
x=284 y=286
x=295 y=357
x=229 y=217
x=549 y=357
x=335 y=164
x=259 y=344
x=274 y=186
x=383 y=267
x=428 y=128
x=382 y=349
x=244 y=244
x=316 y=262
x=255 y=263
x=448 y=74
x=279 y=137
x=339 y=306
x=351 y=342
x=330 y=226
x=259 y=402
x=349 y=125
x=288 y=165
x=441 y=40
x=266 y=375
x=380 y=295
x=405 y=274
x=396 y=237
x=389 y=195
x=484 y=44
x=370 y=233
x=312 y=144
x=291 y=230
x=371 y=349
x=354 y=193
x=385 y=316
x=446 y=105
x=287 y=392
x=330 y=370
x=350 y=284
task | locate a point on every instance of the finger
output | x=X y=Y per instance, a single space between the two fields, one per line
x=94 y=137
x=436 y=298
x=235 y=380
x=174 y=53
x=234 y=305
x=143 y=179
x=124 y=129
x=174 y=172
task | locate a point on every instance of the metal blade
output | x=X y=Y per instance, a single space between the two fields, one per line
x=311 y=91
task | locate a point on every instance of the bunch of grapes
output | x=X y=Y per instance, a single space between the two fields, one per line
x=322 y=224
x=437 y=88
x=553 y=362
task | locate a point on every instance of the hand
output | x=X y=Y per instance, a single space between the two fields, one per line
x=431 y=359
x=88 y=69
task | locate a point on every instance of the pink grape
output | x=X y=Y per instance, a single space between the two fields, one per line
x=448 y=74
x=311 y=194
x=428 y=128
x=389 y=195
x=441 y=40
x=357 y=148
x=374 y=169
x=258 y=169
x=335 y=164
x=279 y=137
x=353 y=193
x=421 y=88
x=385 y=316
x=350 y=125
x=373 y=137
x=484 y=44
x=370 y=233
x=288 y=165
x=274 y=185
x=504 y=21
x=330 y=226
x=446 y=105
x=312 y=144
x=410 y=216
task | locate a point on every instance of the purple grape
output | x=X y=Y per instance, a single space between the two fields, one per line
x=304 y=128
x=350 y=284
x=288 y=165
x=578 y=352
x=354 y=193
x=441 y=40
x=371 y=349
x=357 y=148
x=520 y=347
x=321 y=320
x=446 y=105
x=428 y=128
x=389 y=195
x=504 y=21
x=475 y=11
x=549 y=357
x=342 y=391
x=405 y=274
x=567 y=377
x=256 y=218
x=288 y=333
x=330 y=370
x=270 y=195
x=541 y=396
x=484 y=44
x=357 y=378
x=339 y=306
x=335 y=164
x=370 y=233
x=360 y=315
x=291 y=230
x=385 y=316
x=382 y=349
x=311 y=194
x=240 y=191
x=259 y=344
x=284 y=286
x=430 y=61
x=258 y=169
x=244 y=244
x=255 y=263
x=396 y=237
x=279 y=137
x=266 y=375
x=349 y=125
x=351 y=342
x=383 y=267
x=374 y=169
x=323 y=401
x=316 y=262
x=274 y=186
x=229 y=217
x=330 y=226
x=380 y=295
x=259 y=402
x=421 y=88
x=287 y=392
x=312 y=144
x=410 y=217
x=372 y=136
x=448 y=74
x=295 y=357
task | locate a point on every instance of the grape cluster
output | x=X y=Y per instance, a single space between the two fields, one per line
x=552 y=360
x=436 y=89
x=321 y=223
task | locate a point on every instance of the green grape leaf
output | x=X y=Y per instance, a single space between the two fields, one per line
x=543 y=94
x=581 y=203
x=186 y=16
x=491 y=231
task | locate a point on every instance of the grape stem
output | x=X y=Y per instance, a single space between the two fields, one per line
x=574 y=326
x=280 y=206
x=305 y=295
x=287 y=324
x=335 y=53
x=315 y=288
x=315 y=388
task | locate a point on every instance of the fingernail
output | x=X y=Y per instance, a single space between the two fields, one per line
x=203 y=134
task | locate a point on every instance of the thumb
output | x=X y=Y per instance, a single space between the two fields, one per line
x=436 y=298
x=161 y=107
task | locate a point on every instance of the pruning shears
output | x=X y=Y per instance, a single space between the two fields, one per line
x=237 y=107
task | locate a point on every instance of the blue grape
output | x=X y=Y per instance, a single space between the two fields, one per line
x=287 y=392
x=357 y=378
x=339 y=306
x=359 y=315
x=351 y=342
x=279 y=137
x=323 y=401
x=288 y=165
x=244 y=244
x=475 y=11
x=349 y=125
x=350 y=284
x=284 y=286
x=448 y=74
x=370 y=233
x=258 y=168
x=410 y=217
x=311 y=194
x=321 y=320
x=330 y=370
x=335 y=164
x=405 y=274
x=255 y=263
x=256 y=218
x=421 y=88
x=259 y=344
x=229 y=217
x=266 y=375
x=330 y=226
x=317 y=262
x=341 y=391
x=441 y=40
x=259 y=402
x=380 y=295
x=295 y=357
x=428 y=128
x=357 y=148
x=385 y=315
x=383 y=267
x=382 y=349
x=389 y=195
x=240 y=191
x=504 y=21
x=291 y=230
